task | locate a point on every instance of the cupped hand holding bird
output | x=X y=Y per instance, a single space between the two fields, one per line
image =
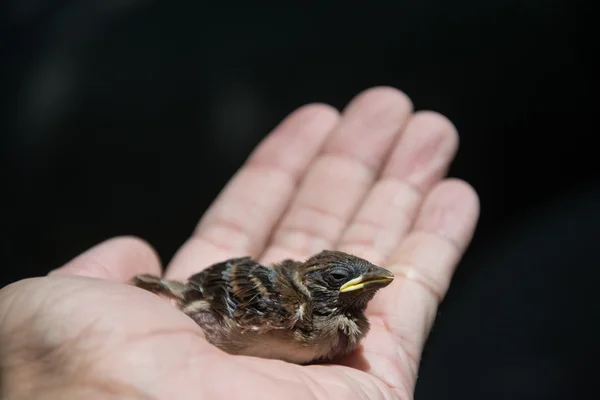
x=369 y=181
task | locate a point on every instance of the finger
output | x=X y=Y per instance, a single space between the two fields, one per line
x=342 y=174
x=117 y=259
x=421 y=158
x=244 y=214
x=424 y=264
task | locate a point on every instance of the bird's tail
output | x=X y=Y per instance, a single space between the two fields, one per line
x=171 y=290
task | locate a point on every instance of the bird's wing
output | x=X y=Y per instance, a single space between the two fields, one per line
x=256 y=296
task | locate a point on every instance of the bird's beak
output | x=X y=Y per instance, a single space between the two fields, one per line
x=376 y=277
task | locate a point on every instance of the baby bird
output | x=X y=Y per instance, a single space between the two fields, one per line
x=299 y=312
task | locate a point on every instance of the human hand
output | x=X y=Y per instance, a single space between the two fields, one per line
x=368 y=182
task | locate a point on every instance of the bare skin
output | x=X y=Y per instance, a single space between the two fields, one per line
x=369 y=181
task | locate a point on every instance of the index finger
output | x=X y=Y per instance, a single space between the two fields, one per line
x=241 y=219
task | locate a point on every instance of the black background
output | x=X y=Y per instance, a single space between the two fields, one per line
x=129 y=117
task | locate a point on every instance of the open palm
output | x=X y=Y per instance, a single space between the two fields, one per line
x=369 y=182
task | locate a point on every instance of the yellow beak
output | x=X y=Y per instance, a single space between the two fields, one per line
x=377 y=277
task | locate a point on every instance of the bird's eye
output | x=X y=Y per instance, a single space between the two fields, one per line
x=339 y=275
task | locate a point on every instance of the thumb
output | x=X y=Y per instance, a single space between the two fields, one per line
x=117 y=259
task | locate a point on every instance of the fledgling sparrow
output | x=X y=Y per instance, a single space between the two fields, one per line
x=300 y=312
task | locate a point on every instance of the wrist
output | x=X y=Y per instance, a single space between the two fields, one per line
x=53 y=374
x=27 y=383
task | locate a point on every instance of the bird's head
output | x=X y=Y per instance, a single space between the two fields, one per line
x=340 y=282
